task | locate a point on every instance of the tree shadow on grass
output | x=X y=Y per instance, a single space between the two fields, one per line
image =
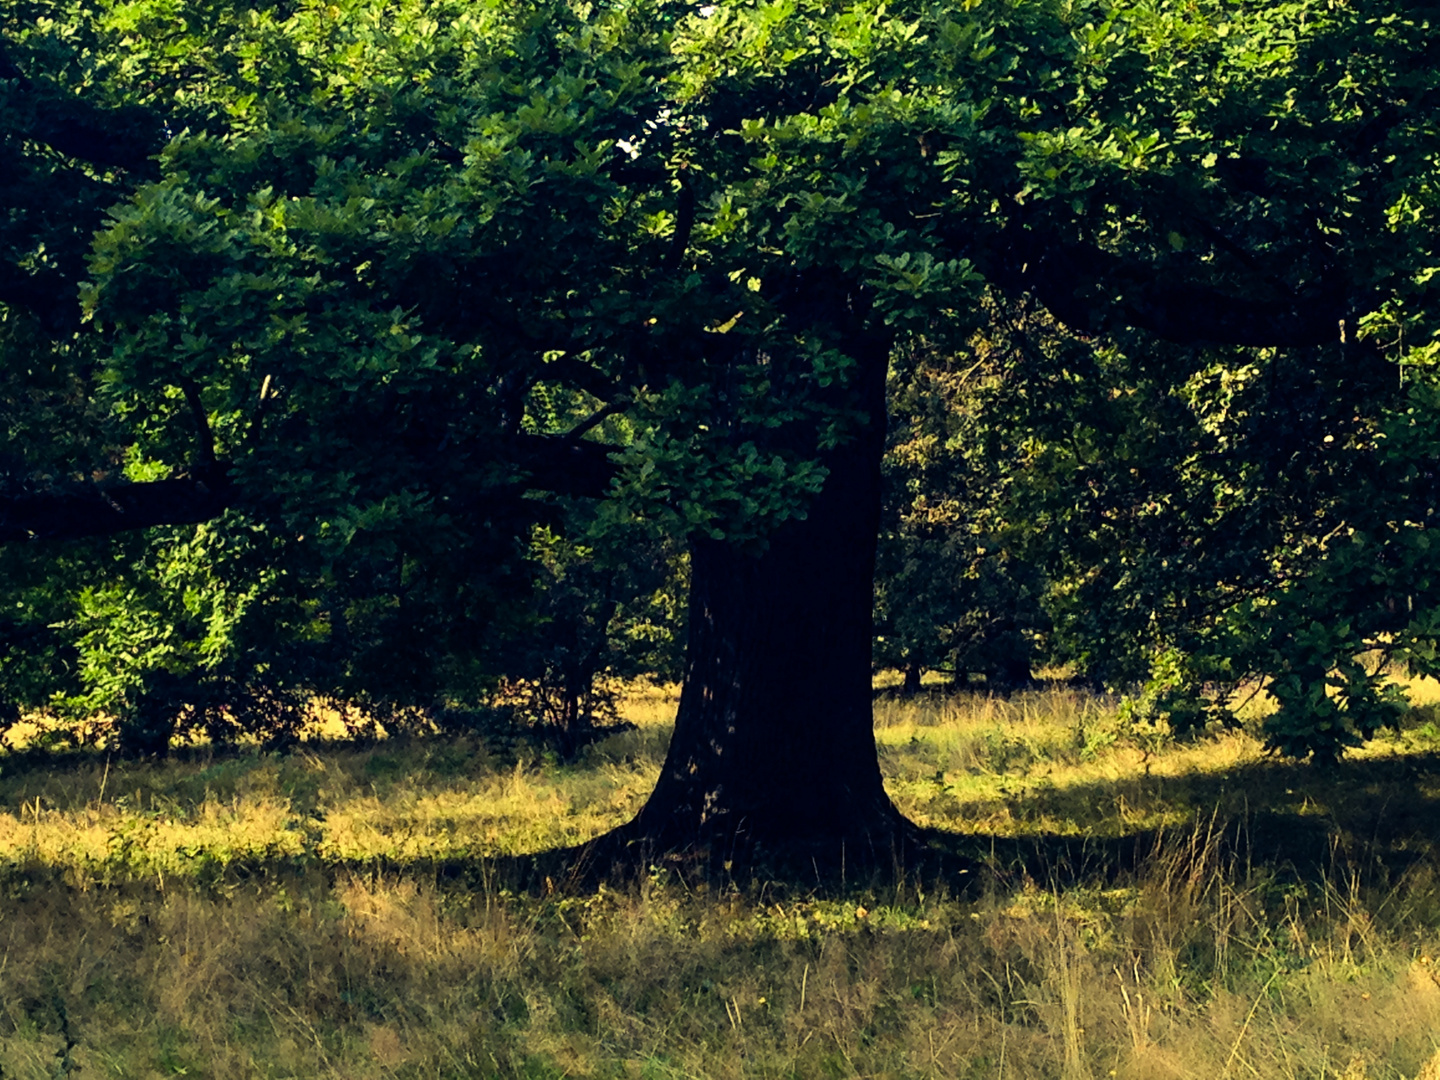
x=1379 y=817
x=70 y=777
x=1376 y=818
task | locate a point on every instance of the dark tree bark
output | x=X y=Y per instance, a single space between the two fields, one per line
x=1091 y=290
x=562 y=466
x=774 y=740
x=95 y=511
x=911 y=686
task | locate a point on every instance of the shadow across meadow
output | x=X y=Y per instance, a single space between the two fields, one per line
x=1370 y=819
x=1375 y=817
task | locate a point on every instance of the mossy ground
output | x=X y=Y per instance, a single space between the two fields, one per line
x=1134 y=909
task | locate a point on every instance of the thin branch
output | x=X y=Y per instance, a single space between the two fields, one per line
x=684 y=224
x=191 y=390
x=594 y=421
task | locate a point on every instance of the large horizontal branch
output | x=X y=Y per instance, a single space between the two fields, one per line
x=49 y=295
x=1089 y=289
x=563 y=466
x=125 y=137
x=1194 y=314
x=97 y=511
x=566 y=466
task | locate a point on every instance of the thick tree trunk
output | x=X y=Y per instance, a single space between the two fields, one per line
x=774 y=739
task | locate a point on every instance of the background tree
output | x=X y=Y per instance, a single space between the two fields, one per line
x=607 y=609
x=1187 y=509
x=952 y=592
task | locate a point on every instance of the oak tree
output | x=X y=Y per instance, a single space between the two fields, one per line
x=307 y=268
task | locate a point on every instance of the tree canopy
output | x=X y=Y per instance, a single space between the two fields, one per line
x=309 y=310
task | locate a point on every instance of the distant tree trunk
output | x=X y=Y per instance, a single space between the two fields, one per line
x=1012 y=672
x=911 y=686
x=577 y=675
x=774 y=739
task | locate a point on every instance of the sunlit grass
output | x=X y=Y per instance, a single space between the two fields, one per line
x=1033 y=763
x=252 y=915
x=1051 y=762
x=400 y=802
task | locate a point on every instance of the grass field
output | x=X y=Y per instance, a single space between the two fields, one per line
x=1136 y=910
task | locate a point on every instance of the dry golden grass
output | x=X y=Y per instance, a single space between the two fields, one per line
x=1137 y=911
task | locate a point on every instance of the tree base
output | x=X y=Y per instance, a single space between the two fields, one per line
x=893 y=852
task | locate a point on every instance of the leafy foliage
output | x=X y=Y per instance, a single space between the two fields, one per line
x=607 y=608
x=396 y=278
x=953 y=592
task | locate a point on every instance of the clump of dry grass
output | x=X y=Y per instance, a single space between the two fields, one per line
x=245 y=915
